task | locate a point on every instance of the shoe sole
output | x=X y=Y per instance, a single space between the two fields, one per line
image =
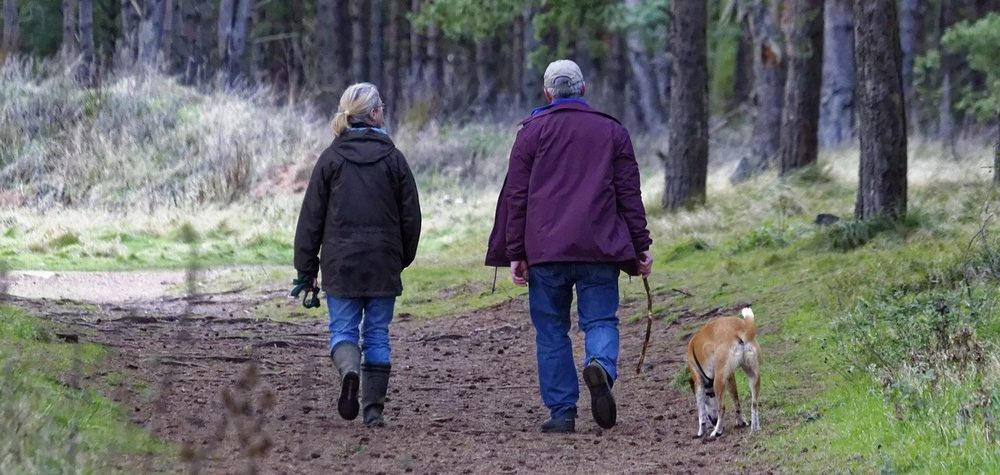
x=348 y=405
x=602 y=402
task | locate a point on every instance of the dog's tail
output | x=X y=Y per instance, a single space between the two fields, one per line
x=750 y=332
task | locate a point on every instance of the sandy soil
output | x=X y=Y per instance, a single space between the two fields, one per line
x=237 y=392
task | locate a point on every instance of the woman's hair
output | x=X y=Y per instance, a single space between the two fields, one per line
x=357 y=102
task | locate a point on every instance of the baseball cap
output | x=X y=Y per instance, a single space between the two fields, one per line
x=562 y=72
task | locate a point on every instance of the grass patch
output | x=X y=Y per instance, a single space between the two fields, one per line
x=47 y=425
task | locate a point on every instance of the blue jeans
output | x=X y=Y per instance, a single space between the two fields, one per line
x=347 y=314
x=550 y=295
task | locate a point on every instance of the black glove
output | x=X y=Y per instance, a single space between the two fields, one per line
x=305 y=282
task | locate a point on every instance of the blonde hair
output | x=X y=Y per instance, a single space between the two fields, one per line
x=357 y=102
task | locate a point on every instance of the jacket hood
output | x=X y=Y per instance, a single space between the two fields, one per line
x=363 y=146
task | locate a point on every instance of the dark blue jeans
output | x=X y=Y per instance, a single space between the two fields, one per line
x=550 y=295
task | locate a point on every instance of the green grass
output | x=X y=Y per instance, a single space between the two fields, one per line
x=47 y=425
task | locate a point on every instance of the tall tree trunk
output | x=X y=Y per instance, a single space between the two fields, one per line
x=377 y=67
x=687 y=160
x=836 y=114
x=618 y=77
x=392 y=69
x=950 y=13
x=68 y=47
x=129 y=45
x=645 y=84
x=238 y=40
x=910 y=33
x=531 y=78
x=881 y=115
x=485 y=79
x=359 y=61
x=517 y=59
x=996 y=153
x=803 y=20
x=743 y=80
x=435 y=64
x=415 y=79
x=11 y=29
x=197 y=24
x=86 y=72
x=151 y=31
x=768 y=94
x=227 y=11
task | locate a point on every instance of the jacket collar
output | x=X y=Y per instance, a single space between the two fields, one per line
x=569 y=104
x=556 y=102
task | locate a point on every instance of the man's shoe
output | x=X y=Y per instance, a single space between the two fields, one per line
x=559 y=426
x=602 y=402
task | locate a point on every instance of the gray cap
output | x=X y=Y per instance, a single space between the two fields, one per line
x=563 y=73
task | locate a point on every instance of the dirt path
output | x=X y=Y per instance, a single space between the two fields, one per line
x=463 y=396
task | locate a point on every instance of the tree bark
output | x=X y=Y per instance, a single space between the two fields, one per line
x=227 y=11
x=996 y=153
x=196 y=39
x=768 y=96
x=86 y=72
x=151 y=31
x=485 y=80
x=377 y=67
x=517 y=60
x=392 y=69
x=910 y=34
x=435 y=64
x=645 y=83
x=743 y=80
x=359 y=61
x=531 y=84
x=11 y=29
x=836 y=115
x=687 y=160
x=803 y=20
x=69 y=43
x=950 y=13
x=238 y=40
x=882 y=116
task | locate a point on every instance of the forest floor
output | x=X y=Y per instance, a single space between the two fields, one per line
x=232 y=390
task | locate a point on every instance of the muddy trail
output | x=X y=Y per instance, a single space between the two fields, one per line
x=235 y=392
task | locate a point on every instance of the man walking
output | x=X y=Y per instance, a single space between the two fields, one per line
x=570 y=214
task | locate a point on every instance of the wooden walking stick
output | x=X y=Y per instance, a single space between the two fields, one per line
x=649 y=324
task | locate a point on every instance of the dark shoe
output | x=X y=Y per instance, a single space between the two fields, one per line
x=347 y=358
x=602 y=402
x=374 y=385
x=559 y=426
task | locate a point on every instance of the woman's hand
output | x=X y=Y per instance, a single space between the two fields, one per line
x=519 y=273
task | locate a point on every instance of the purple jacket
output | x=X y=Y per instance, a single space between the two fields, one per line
x=571 y=193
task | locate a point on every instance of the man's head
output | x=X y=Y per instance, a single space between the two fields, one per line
x=563 y=79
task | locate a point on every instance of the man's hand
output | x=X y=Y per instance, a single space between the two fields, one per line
x=519 y=273
x=645 y=263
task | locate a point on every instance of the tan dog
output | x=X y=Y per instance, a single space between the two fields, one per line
x=714 y=353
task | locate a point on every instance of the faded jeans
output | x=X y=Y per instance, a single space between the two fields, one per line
x=372 y=314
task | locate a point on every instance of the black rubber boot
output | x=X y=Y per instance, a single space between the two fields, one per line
x=602 y=402
x=346 y=358
x=374 y=385
x=565 y=424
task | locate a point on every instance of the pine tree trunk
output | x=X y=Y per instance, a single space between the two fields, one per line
x=69 y=47
x=415 y=78
x=86 y=72
x=167 y=39
x=485 y=81
x=227 y=11
x=768 y=96
x=377 y=41
x=531 y=78
x=238 y=40
x=517 y=59
x=151 y=31
x=803 y=20
x=881 y=112
x=687 y=160
x=435 y=65
x=910 y=34
x=359 y=61
x=618 y=77
x=836 y=115
x=743 y=80
x=996 y=153
x=11 y=29
x=197 y=24
x=392 y=69
x=645 y=84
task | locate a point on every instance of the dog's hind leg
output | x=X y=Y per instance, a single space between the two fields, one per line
x=734 y=392
x=754 y=378
x=699 y=397
x=720 y=390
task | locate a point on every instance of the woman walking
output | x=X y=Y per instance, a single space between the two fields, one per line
x=359 y=224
